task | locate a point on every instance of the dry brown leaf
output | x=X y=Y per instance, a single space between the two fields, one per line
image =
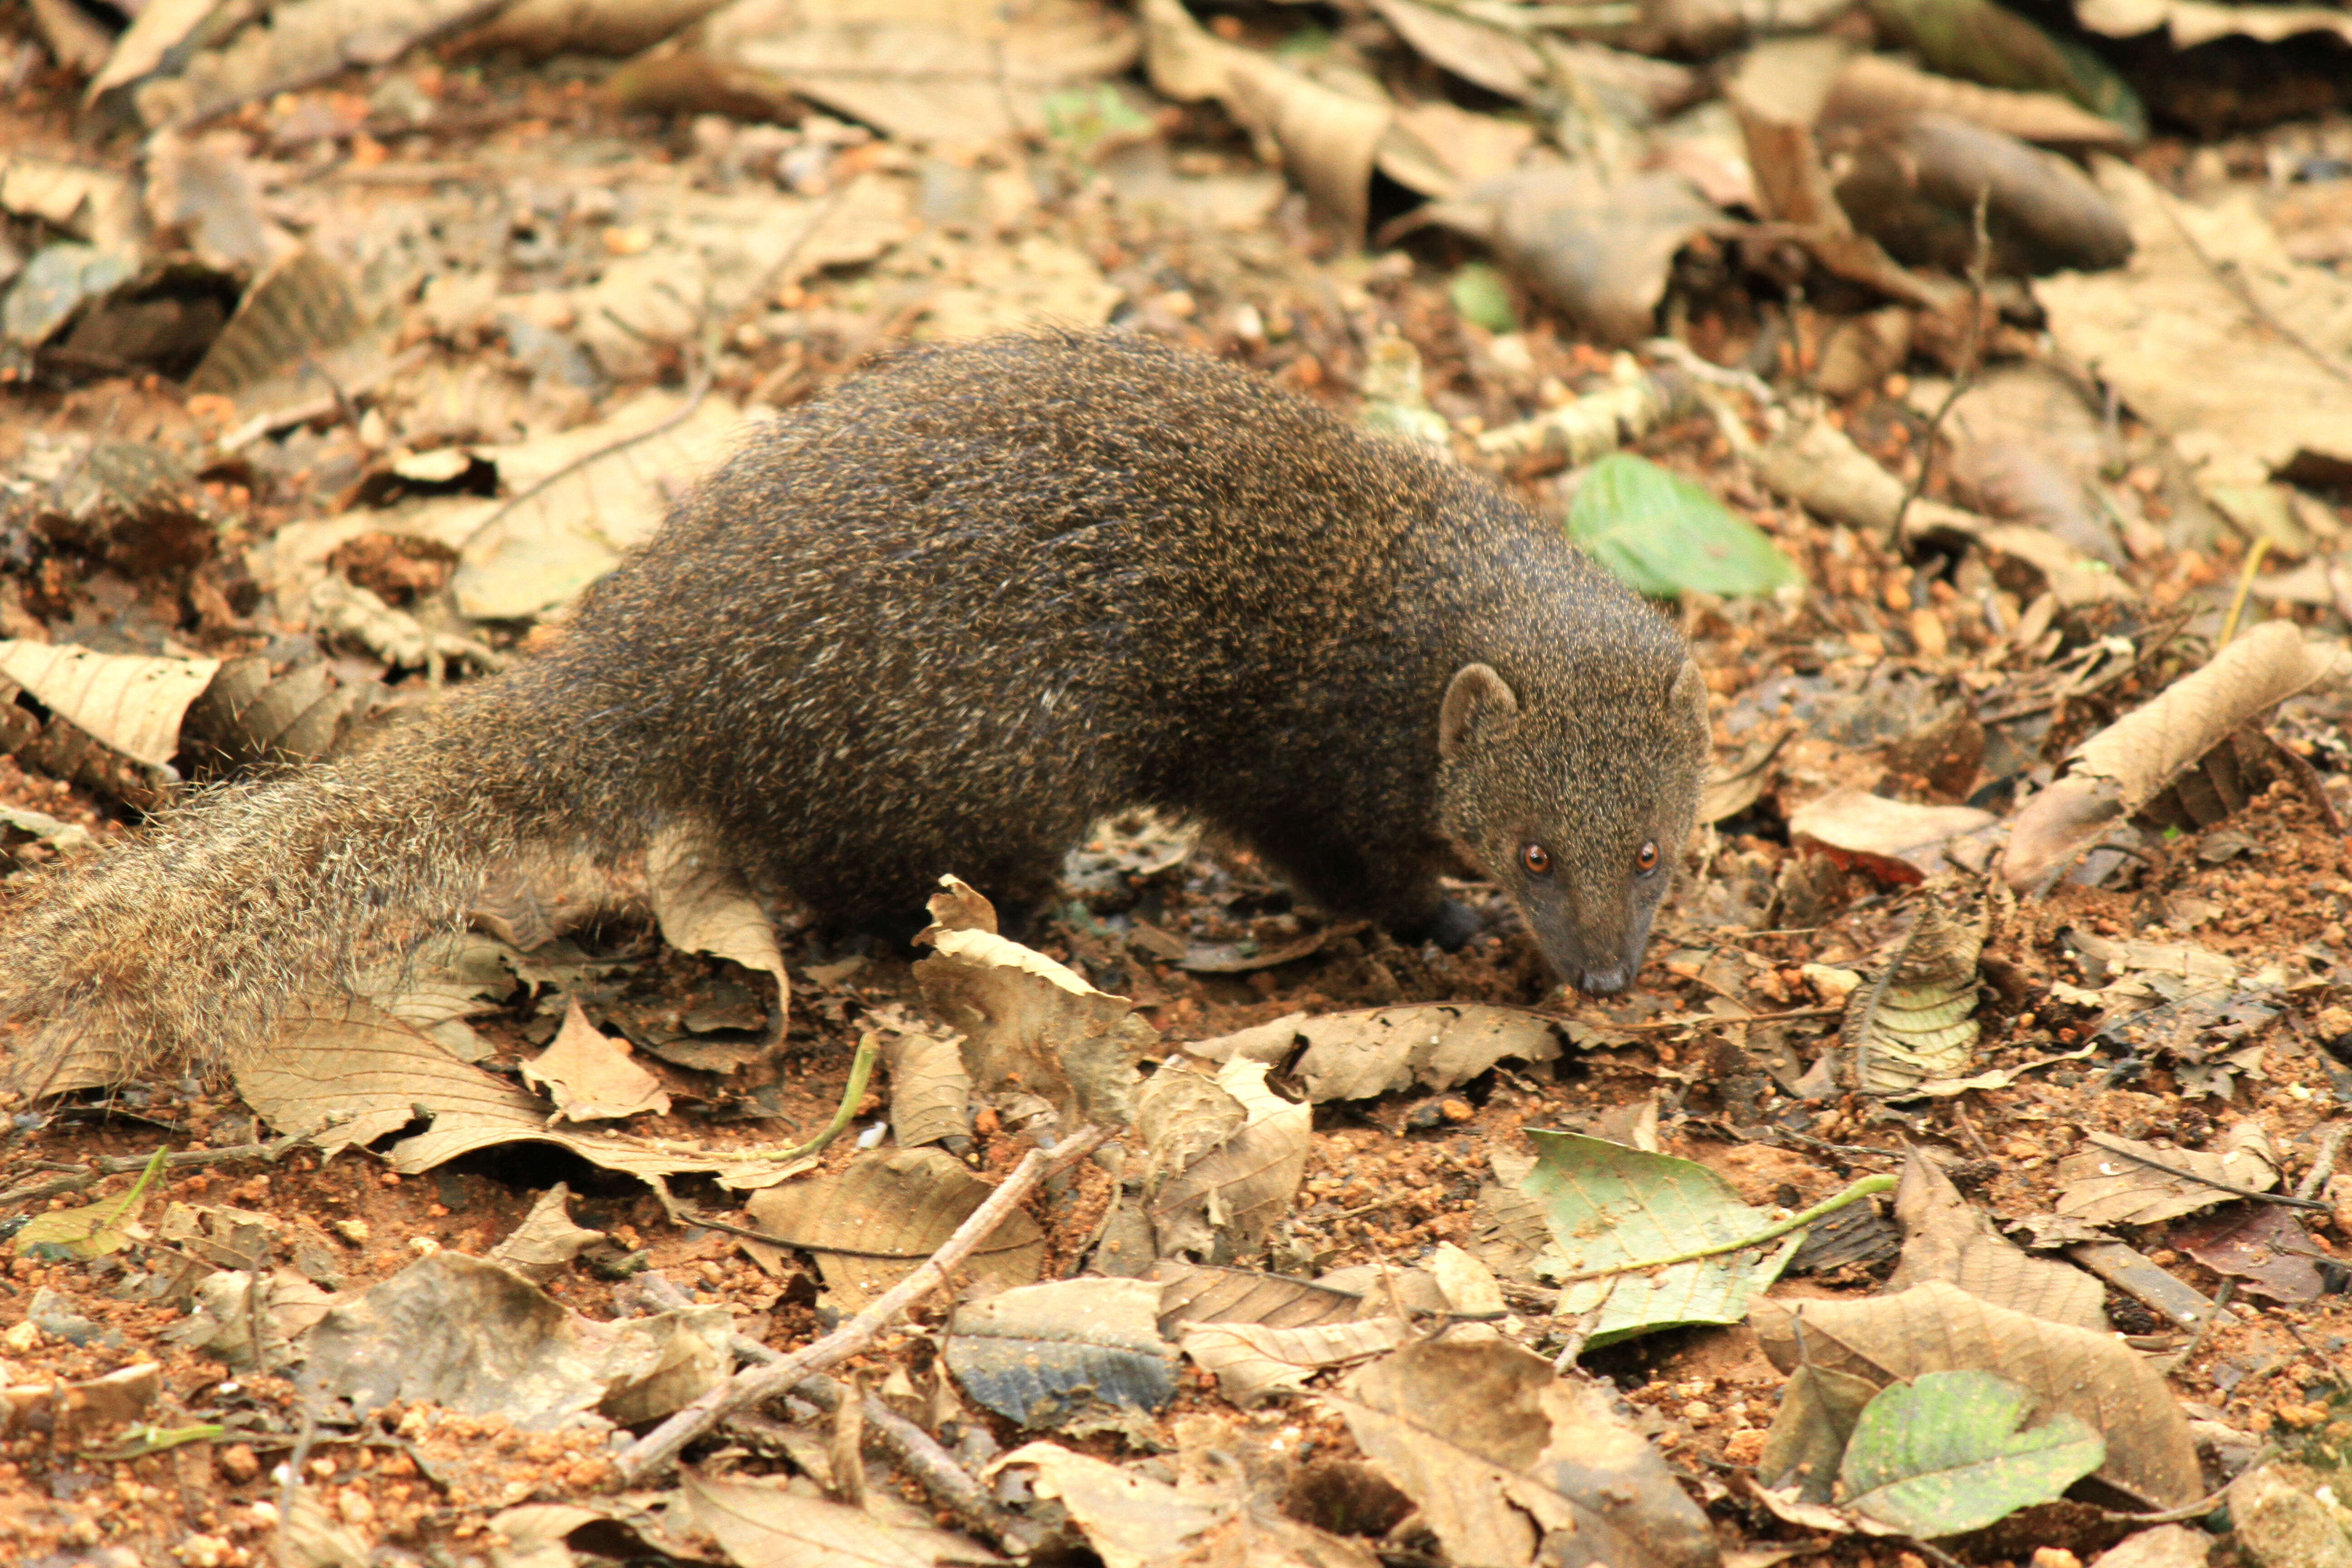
x=2189 y=23
x=204 y=189
x=1600 y=250
x=930 y=1094
x=924 y=70
x=1029 y=1021
x=2123 y=767
x=1242 y=1187
x=2103 y=1184
x=591 y=1075
x=1914 y=184
x=1372 y=1051
x=1252 y=1359
x=1916 y=1027
x=1939 y=1327
x=2271 y=388
x=875 y=1223
x=1499 y=1454
x=1328 y=140
x=761 y=1525
x=543 y=1245
x=129 y=701
x=343 y=1072
x=542 y=27
x=1133 y=1521
x=1899 y=842
x=1497 y=58
x=1194 y=1293
x=704 y=905
x=1871 y=88
x=1945 y=1239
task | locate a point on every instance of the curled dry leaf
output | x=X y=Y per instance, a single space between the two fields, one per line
x=1937 y=1327
x=1133 y=1521
x=1252 y=1360
x=1913 y=184
x=1918 y=1024
x=1243 y=1186
x=2213 y=287
x=875 y=1223
x=1029 y=1021
x=930 y=1094
x=1503 y=1459
x=1945 y=1239
x=1326 y=139
x=302 y=41
x=1500 y=59
x=468 y=1335
x=2189 y=23
x=704 y=905
x=1897 y=842
x=767 y=1526
x=129 y=701
x=1602 y=251
x=1194 y=1293
x=1874 y=88
x=246 y=715
x=2126 y=764
x=547 y=1240
x=300 y=309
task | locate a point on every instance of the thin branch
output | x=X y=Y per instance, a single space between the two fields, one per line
x=1963 y=376
x=758 y=1384
x=2101 y=1140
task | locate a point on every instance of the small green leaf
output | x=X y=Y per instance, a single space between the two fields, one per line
x=1607 y=1204
x=1083 y=119
x=1482 y=298
x=92 y=1230
x=1943 y=1453
x=1663 y=533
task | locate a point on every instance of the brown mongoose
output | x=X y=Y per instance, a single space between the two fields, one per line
x=940 y=620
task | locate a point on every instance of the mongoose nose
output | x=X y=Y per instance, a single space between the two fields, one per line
x=1600 y=982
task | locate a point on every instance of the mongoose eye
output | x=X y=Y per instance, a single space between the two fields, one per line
x=1645 y=859
x=1537 y=859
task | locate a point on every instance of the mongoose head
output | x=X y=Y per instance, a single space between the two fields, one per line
x=1578 y=808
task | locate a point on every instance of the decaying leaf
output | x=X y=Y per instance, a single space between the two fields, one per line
x=1501 y=1458
x=1612 y=1210
x=930 y=1094
x=704 y=905
x=760 y=1525
x=1072 y=1354
x=1240 y=1188
x=1917 y=1026
x=875 y=1222
x=1945 y=1239
x=302 y=42
x=1899 y=843
x=1373 y=1051
x=543 y=1245
x=2125 y=1181
x=2118 y=769
x=1030 y=1021
x=129 y=701
x=1252 y=1360
x=1937 y=1327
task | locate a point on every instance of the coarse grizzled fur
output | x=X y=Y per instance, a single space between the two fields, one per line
x=940 y=620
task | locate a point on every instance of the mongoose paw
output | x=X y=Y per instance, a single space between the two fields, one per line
x=1453 y=926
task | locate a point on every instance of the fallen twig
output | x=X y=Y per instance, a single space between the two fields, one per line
x=756 y=1384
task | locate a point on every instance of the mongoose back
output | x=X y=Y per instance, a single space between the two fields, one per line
x=942 y=619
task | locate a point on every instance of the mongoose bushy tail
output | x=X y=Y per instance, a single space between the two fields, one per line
x=942 y=619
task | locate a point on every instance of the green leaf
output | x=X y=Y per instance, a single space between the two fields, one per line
x=92 y=1230
x=1663 y=533
x=1607 y=1204
x=1482 y=298
x=1943 y=1453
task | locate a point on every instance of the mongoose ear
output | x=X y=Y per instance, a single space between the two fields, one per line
x=1477 y=701
x=1689 y=693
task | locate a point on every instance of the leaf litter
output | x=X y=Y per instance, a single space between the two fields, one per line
x=344 y=392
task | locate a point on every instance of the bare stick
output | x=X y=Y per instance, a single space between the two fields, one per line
x=756 y=1384
x=1964 y=376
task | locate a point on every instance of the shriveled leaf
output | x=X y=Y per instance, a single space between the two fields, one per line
x=304 y=41
x=930 y=1094
x=1896 y=842
x=546 y=1242
x=1609 y=1206
x=1914 y=184
x=578 y=499
x=1131 y=1521
x=1600 y=251
x=2106 y=1185
x=1498 y=59
x=129 y=701
x=1810 y=1428
x=1373 y=1051
x=2125 y=765
x=1194 y=1293
x=1876 y=87
x=704 y=905
x=1071 y=1354
x=591 y=1075
x=767 y=1526
x=1937 y=1327
x=875 y=1223
x=2263 y=1245
x=1950 y=1451
x=1945 y=1239
x=1916 y=1027
x=2189 y=23
x=1667 y=534
x=1031 y=1021
x=456 y=1331
x=59 y=280
x=1242 y=1187
x=1500 y=1455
